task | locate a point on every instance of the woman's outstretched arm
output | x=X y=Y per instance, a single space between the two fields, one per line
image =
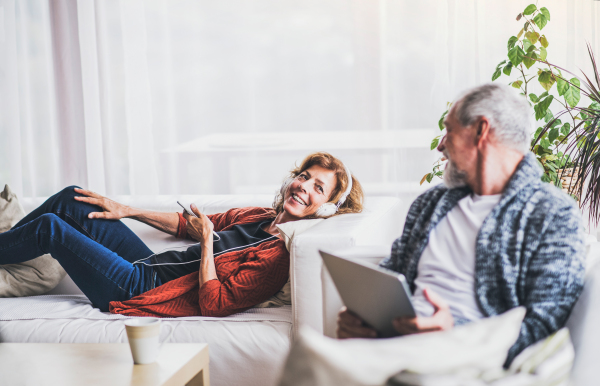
x=112 y=210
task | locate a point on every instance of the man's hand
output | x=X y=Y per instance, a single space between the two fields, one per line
x=351 y=326
x=112 y=210
x=441 y=320
x=199 y=228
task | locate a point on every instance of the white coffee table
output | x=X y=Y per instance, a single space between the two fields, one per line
x=67 y=364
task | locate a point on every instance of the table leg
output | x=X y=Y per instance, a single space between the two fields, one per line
x=200 y=379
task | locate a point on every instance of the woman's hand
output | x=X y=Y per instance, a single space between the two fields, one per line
x=199 y=228
x=112 y=210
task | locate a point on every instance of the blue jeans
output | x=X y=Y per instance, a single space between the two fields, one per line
x=96 y=253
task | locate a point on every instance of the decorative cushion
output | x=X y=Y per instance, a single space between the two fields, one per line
x=288 y=231
x=472 y=351
x=33 y=277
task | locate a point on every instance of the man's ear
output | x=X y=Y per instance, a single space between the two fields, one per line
x=483 y=131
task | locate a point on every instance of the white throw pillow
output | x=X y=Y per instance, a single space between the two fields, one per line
x=288 y=231
x=33 y=277
x=473 y=351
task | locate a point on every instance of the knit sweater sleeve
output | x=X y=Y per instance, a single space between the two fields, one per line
x=260 y=275
x=554 y=279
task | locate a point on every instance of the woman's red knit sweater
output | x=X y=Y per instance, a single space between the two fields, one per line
x=245 y=278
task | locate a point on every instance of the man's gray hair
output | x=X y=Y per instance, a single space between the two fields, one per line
x=508 y=112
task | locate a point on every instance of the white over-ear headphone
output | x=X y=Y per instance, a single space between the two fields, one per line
x=329 y=208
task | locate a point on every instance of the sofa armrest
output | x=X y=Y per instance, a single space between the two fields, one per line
x=583 y=323
x=378 y=225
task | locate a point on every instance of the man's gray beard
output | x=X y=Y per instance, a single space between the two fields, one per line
x=454 y=178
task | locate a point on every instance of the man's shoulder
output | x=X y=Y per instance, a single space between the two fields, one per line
x=548 y=198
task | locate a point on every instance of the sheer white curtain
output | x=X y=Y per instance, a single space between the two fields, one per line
x=95 y=92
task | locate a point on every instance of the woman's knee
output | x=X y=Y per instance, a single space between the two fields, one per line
x=49 y=223
x=69 y=192
x=66 y=197
x=50 y=219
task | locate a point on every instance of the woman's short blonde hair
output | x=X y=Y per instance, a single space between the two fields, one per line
x=354 y=201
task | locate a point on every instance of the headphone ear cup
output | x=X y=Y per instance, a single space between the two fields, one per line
x=284 y=187
x=326 y=210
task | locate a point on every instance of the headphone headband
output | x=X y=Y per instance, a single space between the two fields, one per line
x=348 y=189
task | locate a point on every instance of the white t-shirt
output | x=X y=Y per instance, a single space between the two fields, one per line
x=447 y=265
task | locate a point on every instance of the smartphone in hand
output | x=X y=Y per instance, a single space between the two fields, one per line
x=187 y=209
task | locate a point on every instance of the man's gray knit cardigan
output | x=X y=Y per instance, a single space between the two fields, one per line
x=529 y=251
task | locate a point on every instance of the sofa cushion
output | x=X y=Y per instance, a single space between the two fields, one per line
x=32 y=277
x=288 y=231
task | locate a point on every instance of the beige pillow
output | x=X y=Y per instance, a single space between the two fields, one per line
x=288 y=231
x=33 y=277
x=474 y=353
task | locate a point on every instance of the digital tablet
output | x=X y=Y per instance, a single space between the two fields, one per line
x=377 y=295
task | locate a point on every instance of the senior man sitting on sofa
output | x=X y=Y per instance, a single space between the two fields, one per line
x=494 y=236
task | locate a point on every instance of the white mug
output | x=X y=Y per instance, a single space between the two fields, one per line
x=143 y=334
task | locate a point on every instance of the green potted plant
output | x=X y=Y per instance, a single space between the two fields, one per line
x=580 y=147
x=564 y=143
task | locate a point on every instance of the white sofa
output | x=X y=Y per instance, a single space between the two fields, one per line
x=245 y=349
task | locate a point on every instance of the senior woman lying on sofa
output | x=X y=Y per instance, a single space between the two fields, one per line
x=118 y=272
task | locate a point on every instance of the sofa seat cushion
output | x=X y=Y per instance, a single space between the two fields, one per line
x=253 y=342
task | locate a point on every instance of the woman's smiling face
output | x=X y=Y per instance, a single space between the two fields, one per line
x=309 y=190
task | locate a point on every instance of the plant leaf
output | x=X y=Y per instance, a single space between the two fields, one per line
x=553 y=135
x=573 y=94
x=564 y=130
x=544 y=41
x=543 y=53
x=545 y=143
x=562 y=86
x=512 y=41
x=532 y=36
x=546 y=80
x=542 y=107
x=497 y=74
x=520 y=33
x=516 y=55
x=517 y=83
x=528 y=60
x=441 y=121
x=545 y=12
x=435 y=143
x=543 y=95
x=548 y=117
x=423 y=179
x=526 y=44
x=531 y=8
x=534 y=98
x=519 y=16
x=540 y=20
x=507 y=68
